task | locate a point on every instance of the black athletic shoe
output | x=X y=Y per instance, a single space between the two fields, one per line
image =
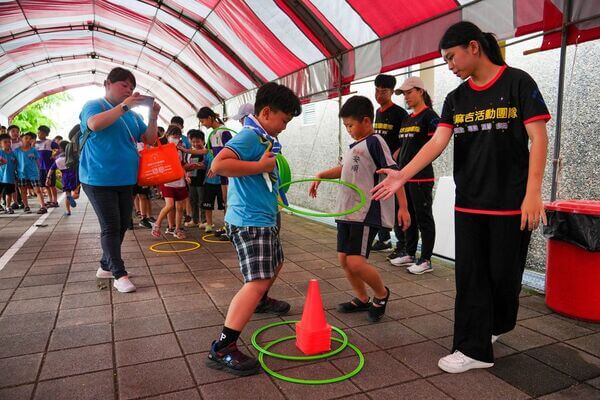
x=145 y=223
x=377 y=309
x=395 y=254
x=220 y=232
x=354 y=305
x=272 y=306
x=231 y=360
x=380 y=246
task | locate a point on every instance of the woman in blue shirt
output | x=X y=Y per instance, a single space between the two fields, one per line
x=109 y=164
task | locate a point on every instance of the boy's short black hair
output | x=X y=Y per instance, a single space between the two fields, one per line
x=173 y=130
x=30 y=134
x=357 y=107
x=177 y=120
x=4 y=136
x=160 y=129
x=385 y=81
x=119 y=74
x=44 y=128
x=277 y=97
x=12 y=127
x=58 y=137
x=63 y=145
x=195 y=134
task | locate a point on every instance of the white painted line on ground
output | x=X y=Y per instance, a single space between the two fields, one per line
x=6 y=257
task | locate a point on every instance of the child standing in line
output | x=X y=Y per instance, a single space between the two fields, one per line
x=8 y=168
x=69 y=178
x=197 y=172
x=251 y=220
x=174 y=194
x=28 y=173
x=357 y=231
x=45 y=148
x=212 y=192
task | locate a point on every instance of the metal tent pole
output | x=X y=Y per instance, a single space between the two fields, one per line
x=556 y=162
x=340 y=109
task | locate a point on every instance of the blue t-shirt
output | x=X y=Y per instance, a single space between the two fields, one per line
x=27 y=167
x=7 y=171
x=215 y=180
x=110 y=157
x=186 y=142
x=249 y=200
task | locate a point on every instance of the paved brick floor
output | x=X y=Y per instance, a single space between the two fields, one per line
x=66 y=335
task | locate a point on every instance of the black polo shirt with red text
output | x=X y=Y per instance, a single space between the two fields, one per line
x=415 y=132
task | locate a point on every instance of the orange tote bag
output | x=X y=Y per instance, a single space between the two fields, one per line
x=159 y=165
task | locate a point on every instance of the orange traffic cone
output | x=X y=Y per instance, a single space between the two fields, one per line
x=313 y=333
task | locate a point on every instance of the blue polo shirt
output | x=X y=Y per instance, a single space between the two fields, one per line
x=27 y=163
x=215 y=180
x=249 y=200
x=110 y=157
x=7 y=171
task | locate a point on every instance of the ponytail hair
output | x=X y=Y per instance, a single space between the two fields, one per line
x=207 y=112
x=462 y=33
x=427 y=98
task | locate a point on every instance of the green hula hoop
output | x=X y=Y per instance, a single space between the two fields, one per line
x=263 y=350
x=285 y=173
x=361 y=203
x=361 y=364
x=221 y=128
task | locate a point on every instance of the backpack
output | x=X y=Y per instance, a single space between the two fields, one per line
x=76 y=143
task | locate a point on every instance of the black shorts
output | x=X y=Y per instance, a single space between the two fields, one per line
x=44 y=176
x=29 y=183
x=7 y=188
x=355 y=239
x=212 y=192
x=143 y=190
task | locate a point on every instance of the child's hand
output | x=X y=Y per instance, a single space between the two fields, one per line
x=3 y=161
x=312 y=190
x=200 y=165
x=188 y=179
x=532 y=211
x=403 y=218
x=210 y=173
x=267 y=162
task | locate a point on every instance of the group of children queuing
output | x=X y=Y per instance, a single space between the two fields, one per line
x=28 y=167
x=492 y=116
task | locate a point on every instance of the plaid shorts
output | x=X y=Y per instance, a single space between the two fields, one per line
x=29 y=183
x=259 y=250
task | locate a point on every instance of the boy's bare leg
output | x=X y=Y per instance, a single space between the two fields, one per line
x=208 y=214
x=24 y=199
x=361 y=269
x=169 y=204
x=40 y=196
x=171 y=217
x=358 y=285
x=244 y=303
x=53 y=194
x=179 y=208
x=67 y=204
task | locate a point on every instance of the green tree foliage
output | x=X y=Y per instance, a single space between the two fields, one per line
x=38 y=113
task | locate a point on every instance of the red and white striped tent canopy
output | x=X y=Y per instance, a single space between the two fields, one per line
x=190 y=53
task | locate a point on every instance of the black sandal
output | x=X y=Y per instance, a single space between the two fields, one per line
x=377 y=309
x=354 y=305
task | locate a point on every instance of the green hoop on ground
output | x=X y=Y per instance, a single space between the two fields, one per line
x=285 y=173
x=361 y=364
x=361 y=203
x=263 y=350
x=221 y=128
x=195 y=245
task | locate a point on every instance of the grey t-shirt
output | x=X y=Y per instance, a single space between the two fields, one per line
x=360 y=163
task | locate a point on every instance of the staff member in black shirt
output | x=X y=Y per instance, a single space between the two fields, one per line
x=493 y=117
x=388 y=119
x=415 y=132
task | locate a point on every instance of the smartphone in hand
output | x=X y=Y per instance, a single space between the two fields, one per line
x=147 y=101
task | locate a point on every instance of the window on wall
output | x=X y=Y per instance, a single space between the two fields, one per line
x=309 y=114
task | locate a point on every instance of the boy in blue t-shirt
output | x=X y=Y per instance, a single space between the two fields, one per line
x=212 y=192
x=251 y=219
x=28 y=174
x=8 y=169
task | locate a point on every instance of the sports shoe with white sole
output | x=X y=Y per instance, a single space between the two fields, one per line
x=420 y=267
x=102 y=274
x=457 y=363
x=124 y=285
x=402 y=260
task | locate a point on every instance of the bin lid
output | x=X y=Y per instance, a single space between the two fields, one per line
x=589 y=207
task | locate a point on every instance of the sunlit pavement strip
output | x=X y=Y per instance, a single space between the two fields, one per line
x=23 y=239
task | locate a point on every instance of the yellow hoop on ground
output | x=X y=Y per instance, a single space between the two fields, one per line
x=213 y=241
x=196 y=245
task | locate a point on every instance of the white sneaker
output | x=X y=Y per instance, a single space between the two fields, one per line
x=457 y=362
x=494 y=338
x=420 y=267
x=102 y=274
x=124 y=285
x=402 y=260
x=188 y=224
x=202 y=225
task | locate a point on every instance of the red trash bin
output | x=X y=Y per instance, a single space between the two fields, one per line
x=572 y=272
